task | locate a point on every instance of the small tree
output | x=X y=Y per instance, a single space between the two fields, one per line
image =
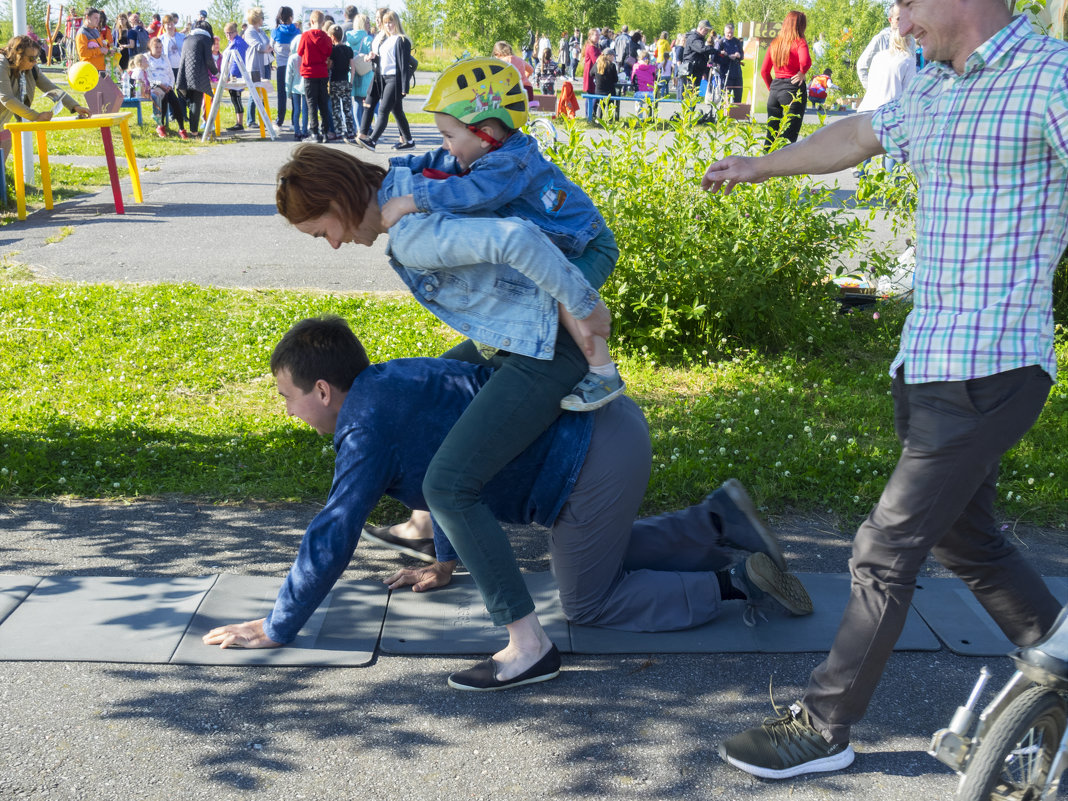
x=221 y=12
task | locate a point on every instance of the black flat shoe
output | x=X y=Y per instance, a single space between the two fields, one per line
x=483 y=676
x=422 y=548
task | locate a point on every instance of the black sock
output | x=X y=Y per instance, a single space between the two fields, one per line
x=727 y=590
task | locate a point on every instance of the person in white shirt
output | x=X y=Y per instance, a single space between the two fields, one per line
x=879 y=42
x=890 y=72
x=161 y=88
x=172 y=40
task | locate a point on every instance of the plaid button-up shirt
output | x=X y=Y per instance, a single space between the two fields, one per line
x=990 y=150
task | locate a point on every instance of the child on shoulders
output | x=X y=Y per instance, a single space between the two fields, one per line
x=487 y=165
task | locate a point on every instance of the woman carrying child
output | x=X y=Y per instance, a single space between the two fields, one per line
x=497 y=279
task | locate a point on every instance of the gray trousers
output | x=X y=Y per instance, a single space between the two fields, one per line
x=614 y=571
x=939 y=500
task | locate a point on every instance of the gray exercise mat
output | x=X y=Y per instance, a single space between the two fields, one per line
x=780 y=633
x=102 y=619
x=343 y=631
x=949 y=607
x=13 y=591
x=453 y=619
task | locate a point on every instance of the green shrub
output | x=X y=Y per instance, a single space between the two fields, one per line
x=702 y=274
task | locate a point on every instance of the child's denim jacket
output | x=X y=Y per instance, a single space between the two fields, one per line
x=513 y=181
x=494 y=279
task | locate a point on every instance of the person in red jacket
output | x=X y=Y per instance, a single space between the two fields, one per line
x=314 y=50
x=783 y=71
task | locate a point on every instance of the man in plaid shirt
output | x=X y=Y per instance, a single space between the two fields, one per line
x=985 y=129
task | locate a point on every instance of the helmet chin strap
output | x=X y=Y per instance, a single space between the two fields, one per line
x=485 y=137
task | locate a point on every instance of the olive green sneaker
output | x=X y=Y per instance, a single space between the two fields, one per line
x=786 y=746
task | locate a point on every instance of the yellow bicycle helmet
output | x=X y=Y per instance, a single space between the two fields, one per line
x=478 y=89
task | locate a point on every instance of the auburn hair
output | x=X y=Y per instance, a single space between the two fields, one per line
x=317 y=176
x=793 y=28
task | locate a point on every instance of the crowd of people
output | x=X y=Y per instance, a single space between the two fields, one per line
x=660 y=65
x=334 y=79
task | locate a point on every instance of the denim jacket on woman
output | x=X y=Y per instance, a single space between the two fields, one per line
x=494 y=279
x=515 y=180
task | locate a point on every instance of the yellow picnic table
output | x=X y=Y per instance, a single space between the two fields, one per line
x=102 y=122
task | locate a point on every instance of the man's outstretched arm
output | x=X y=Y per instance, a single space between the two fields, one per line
x=838 y=146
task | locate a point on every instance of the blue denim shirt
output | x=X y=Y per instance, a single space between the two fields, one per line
x=515 y=180
x=391 y=424
x=494 y=279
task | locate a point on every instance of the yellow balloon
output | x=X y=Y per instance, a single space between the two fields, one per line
x=82 y=76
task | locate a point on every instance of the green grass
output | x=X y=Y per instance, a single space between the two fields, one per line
x=126 y=391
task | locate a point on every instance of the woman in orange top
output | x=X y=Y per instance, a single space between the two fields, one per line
x=92 y=47
x=783 y=71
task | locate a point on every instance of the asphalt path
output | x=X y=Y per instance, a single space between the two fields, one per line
x=611 y=727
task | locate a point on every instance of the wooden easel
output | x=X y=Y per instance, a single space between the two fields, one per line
x=51 y=32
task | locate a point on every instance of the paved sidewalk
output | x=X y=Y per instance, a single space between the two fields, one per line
x=611 y=727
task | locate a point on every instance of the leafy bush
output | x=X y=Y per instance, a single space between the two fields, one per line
x=701 y=274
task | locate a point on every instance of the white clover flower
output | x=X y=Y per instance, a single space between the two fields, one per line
x=62 y=480
x=115 y=484
x=98 y=463
x=1030 y=481
x=833 y=438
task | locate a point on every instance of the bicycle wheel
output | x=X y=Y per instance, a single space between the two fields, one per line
x=544 y=132
x=1013 y=760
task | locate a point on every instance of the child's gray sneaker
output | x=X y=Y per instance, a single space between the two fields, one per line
x=593 y=392
x=765 y=585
